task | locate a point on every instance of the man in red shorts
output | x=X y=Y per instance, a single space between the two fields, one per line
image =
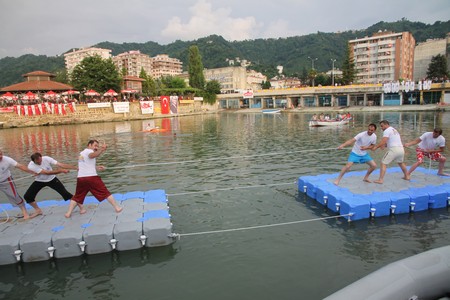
x=431 y=144
x=89 y=181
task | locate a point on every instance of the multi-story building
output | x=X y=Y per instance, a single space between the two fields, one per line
x=255 y=79
x=425 y=51
x=231 y=79
x=133 y=62
x=386 y=56
x=74 y=57
x=163 y=65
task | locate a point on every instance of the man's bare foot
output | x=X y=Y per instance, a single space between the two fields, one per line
x=336 y=182
x=443 y=174
x=367 y=180
x=67 y=215
x=82 y=211
x=118 y=209
x=378 y=181
x=406 y=178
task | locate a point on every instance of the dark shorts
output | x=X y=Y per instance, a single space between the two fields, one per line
x=93 y=184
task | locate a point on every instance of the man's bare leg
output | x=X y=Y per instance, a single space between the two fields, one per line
x=441 y=167
x=37 y=210
x=372 y=167
x=344 y=170
x=380 y=180
x=72 y=205
x=113 y=202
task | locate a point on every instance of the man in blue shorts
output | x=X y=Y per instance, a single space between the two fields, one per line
x=363 y=141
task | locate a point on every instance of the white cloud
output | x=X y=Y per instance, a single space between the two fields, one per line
x=205 y=21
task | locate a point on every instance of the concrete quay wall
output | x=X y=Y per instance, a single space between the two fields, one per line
x=83 y=115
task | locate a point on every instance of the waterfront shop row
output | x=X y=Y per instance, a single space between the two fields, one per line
x=366 y=95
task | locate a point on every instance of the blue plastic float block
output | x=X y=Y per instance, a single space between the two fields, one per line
x=358 y=206
x=66 y=240
x=418 y=196
x=152 y=214
x=380 y=203
x=155 y=196
x=446 y=187
x=118 y=197
x=302 y=182
x=334 y=200
x=400 y=201
x=312 y=184
x=98 y=237
x=438 y=196
x=325 y=191
x=131 y=195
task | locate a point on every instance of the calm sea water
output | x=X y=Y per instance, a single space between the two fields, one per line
x=214 y=167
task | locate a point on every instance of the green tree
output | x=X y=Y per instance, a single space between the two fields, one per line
x=149 y=85
x=437 y=69
x=195 y=68
x=266 y=85
x=96 y=73
x=212 y=88
x=348 y=68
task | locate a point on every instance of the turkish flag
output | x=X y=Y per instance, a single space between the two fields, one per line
x=164 y=105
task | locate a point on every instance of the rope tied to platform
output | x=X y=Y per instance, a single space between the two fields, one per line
x=179 y=235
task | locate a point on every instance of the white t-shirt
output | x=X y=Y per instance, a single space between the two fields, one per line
x=394 y=139
x=86 y=165
x=46 y=163
x=363 y=139
x=427 y=141
x=6 y=163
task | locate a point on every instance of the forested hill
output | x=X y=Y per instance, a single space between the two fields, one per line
x=264 y=54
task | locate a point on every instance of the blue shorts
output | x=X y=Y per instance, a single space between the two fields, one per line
x=359 y=159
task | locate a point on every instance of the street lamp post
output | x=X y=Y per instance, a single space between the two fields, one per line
x=332 y=72
x=312 y=67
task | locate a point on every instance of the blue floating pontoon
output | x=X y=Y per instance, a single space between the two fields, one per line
x=144 y=222
x=355 y=199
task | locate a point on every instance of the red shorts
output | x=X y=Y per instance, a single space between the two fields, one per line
x=420 y=154
x=93 y=184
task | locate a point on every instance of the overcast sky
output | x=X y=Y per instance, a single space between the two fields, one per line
x=51 y=27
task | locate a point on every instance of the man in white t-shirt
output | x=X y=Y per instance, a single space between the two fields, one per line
x=363 y=141
x=42 y=165
x=7 y=184
x=392 y=140
x=431 y=145
x=89 y=181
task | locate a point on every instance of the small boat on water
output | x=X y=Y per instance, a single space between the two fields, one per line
x=271 y=111
x=322 y=123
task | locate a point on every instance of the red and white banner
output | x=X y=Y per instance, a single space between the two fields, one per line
x=41 y=109
x=146 y=107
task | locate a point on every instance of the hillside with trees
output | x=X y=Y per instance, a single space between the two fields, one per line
x=263 y=54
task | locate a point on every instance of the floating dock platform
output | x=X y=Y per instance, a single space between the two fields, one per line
x=144 y=222
x=355 y=199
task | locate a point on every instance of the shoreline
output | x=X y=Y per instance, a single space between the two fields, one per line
x=85 y=116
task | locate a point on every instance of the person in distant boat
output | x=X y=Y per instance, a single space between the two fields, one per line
x=314 y=117
x=42 y=165
x=392 y=140
x=7 y=184
x=151 y=128
x=431 y=145
x=362 y=142
x=89 y=181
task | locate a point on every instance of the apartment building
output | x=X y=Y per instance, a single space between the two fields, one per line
x=163 y=65
x=231 y=79
x=74 y=57
x=386 y=56
x=425 y=51
x=133 y=62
